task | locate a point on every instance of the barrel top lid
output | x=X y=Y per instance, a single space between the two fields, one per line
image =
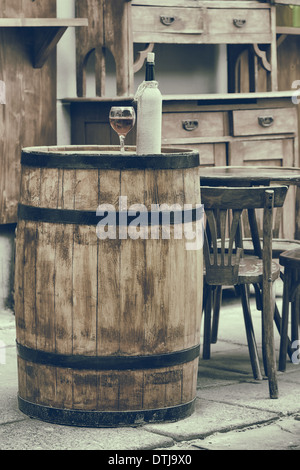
x=107 y=157
x=100 y=150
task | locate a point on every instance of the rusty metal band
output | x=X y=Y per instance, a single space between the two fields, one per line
x=105 y=418
x=77 y=217
x=86 y=161
x=154 y=361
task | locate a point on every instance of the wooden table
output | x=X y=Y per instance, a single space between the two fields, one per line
x=248 y=175
x=252 y=176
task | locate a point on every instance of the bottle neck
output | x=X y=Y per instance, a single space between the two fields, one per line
x=150 y=74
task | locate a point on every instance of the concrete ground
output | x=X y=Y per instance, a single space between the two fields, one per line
x=233 y=411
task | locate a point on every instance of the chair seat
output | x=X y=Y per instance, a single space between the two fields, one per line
x=251 y=270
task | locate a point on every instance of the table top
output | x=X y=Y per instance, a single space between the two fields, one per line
x=248 y=175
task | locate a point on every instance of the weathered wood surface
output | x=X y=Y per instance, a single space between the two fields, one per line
x=29 y=115
x=109 y=27
x=78 y=295
x=267 y=296
x=27 y=9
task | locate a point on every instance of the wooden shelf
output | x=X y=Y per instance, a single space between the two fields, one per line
x=287 y=30
x=212 y=97
x=47 y=33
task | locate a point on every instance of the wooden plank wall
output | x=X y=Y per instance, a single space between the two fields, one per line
x=29 y=116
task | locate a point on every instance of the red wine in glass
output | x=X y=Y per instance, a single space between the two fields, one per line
x=122 y=120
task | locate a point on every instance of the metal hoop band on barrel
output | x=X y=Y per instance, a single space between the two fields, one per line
x=130 y=161
x=77 y=217
x=105 y=418
x=154 y=361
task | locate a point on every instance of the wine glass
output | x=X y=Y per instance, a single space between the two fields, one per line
x=122 y=120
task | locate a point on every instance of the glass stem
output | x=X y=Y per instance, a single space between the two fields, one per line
x=122 y=142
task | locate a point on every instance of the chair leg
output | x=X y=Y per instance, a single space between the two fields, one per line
x=216 y=314
x=207 y=323
x=268 y=338
x=250 y=334
x=259 y=299
x=295 y=318
x=284 y=322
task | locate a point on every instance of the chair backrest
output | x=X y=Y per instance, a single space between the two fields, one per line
x=223 y=208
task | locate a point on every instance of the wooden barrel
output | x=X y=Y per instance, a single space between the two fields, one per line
x=108 y=327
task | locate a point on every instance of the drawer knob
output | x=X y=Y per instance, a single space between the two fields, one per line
x=167 y=20
x=189 y=125
x=265 y=121
x=239 y=23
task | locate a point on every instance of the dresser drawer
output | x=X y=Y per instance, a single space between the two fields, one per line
x=264 y=121
x=190 y=125
x=267 y=152
x=166 y=24
x=238 y=21
x=209 y=154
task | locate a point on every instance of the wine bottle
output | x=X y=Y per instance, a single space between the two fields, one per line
x=149 y=112
x=150 y=70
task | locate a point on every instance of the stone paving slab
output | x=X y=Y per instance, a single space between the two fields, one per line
x=234 y=364
x=209 y=417
x=7 y=328
x=7 y=318
x=32 y=434
x=9 y=406
x=255 y=395
x=233 y=411
x=9 y=388
x=284 y=434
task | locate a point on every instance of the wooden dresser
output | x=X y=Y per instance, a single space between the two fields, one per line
x=229 y=129
x=186 y=21
x=117 y=26
x=239 y=129
x=234 y=129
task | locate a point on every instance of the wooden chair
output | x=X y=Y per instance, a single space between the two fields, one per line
x=225 y=264
x=291 y=295
x=252 y=245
